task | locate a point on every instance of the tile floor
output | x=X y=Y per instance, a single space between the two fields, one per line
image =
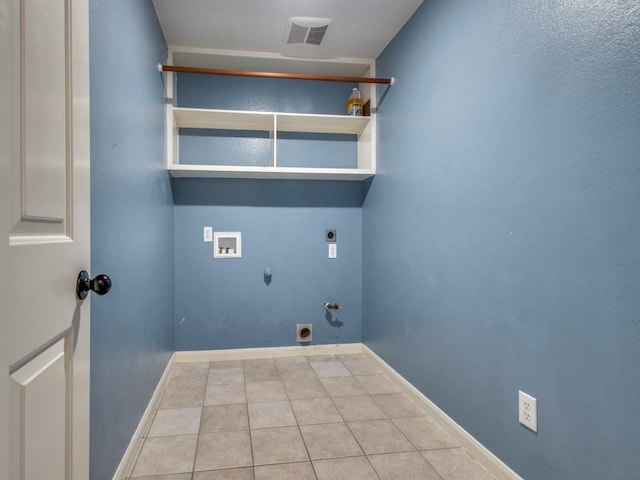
x=296 y=418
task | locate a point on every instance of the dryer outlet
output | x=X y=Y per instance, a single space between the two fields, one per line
x=304 y=332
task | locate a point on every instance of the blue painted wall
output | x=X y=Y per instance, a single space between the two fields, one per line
x=225 y=303
x=131 y=225
x=510 y=180
x=262 y=94
x=237 y=147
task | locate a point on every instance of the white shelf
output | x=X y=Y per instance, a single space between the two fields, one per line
x=279 y=173
x=223 y=119
x=363 y=128
x=300 y=122
x=266 y=121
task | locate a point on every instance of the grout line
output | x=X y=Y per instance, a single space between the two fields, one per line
x=195 y=454
x=306 y=449
x=246 y=407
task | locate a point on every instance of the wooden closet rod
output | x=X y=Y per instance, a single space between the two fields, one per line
x=293 y=76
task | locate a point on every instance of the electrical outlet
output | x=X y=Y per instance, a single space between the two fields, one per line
x=304 y=332
x=528 y=411
x=333 y=250
x=330 y=235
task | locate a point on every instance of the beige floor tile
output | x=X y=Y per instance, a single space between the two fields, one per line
x=255 y=371
x=189 y=368
x=259 y=362
x=403 y=466
x=355 y=468
x=321 y=358
x=175 y=421
x=261 y=374
x=223 y=450
x=165 y=455
x=296 y=371
x=225 y=375
x=295 y=360
x=224 y=394
x=292 y=404
x=183 y=397
x=222 y=418
x=380 y=436
x=265 y=391
x=270 y=414
x=227 y=474
x=184 y=374
x=329 y=368
x=277 y=445
x=286 y=471
x=342 y=386
x=304 y=388
x=358 y=408
x=225 y=364
x=424 y=433
x=456 y=464
x=361 y=366
x=377 y=384
x=315 y=410
x=398 y=405
x=329 y=441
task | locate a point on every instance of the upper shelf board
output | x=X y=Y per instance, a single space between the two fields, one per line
x=264 y=121
x=222 y=119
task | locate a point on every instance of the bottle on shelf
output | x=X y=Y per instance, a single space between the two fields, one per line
x=355 y=105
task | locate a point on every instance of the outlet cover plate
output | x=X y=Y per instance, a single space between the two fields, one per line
x=528 y=411
x=208 y=234
x=304 y=332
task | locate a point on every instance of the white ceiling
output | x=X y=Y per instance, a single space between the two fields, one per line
x=250 y=33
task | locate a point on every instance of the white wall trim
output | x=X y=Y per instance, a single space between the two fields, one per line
x=478 y=451
x=131 y=453
x=271 y=352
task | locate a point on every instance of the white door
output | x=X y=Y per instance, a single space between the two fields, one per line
x=44 y=215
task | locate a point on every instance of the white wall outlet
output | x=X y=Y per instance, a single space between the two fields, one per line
x=333 y=250
x=304 y=332
x=528 y=411
x=208 y=234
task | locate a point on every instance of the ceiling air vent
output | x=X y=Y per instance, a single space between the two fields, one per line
x=307 y=30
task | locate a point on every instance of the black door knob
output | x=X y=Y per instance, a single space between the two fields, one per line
x=100 y=285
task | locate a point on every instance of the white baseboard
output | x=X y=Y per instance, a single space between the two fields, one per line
x=130 y=455
x=488 y=460
x=271 y=352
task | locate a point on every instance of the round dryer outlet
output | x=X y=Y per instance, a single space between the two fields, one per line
x=304 y=332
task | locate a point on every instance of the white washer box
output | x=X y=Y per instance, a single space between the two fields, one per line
x=227 y=245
